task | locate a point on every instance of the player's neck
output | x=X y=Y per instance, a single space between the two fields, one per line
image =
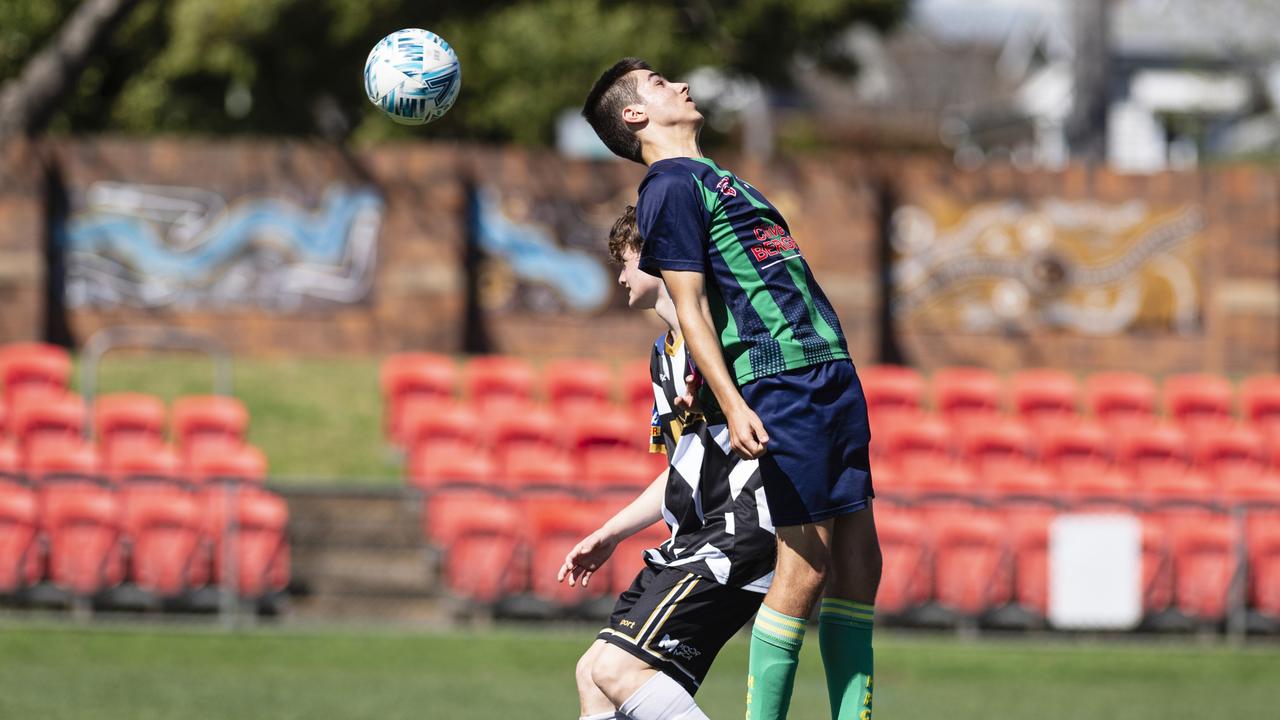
x=677 y=144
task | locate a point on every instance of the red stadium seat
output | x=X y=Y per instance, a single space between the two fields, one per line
x=410 y=376
x=260 y=546
x=942 y=486
x=1045 y=395
x=1031 y=485
x=497 y=378
x=246 y=464
x=1157 y=566
x=65 y=459
x=535 y=468
x=616 y=469
x=20 y=557
x=1260 y=402
x=1264 y=569
x=892 y=388
x=4 y=419
x=144 y=464
x=923 y=443
x=443 y=463
x=608 y=427
x=1195 y=400
x=971 y=567
x=128 y=419
x=907 y=582
x=1188 y=490
x=33 y=368
x=1121 y=400
x=637 y=387
x=1001 y=445
x=482 y=539
x=1029 y=546
x=1203 y=565
x=163 y=524
x=575 y=383
x=1077 y=449
x=10 y=461
x=1110 y=489
x=433 y=420
x=552 y=534
x=628 y=558
x=964 y=394
x=82 y=523
x=215 y=421
x=535 y=426
x=56 y=418
x=1227 y=451
x=1155 y=450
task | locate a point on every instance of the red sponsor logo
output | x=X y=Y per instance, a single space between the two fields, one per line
x=725 y=186
x=774 y=240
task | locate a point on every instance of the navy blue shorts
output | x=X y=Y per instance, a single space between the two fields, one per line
x=815 y=465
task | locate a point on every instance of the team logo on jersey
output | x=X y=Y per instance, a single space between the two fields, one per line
x=675 y=648
x=774 y=240
x=726 y=188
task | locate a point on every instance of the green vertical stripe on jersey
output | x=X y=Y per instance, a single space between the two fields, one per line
x=725 y=237
x=729 y=337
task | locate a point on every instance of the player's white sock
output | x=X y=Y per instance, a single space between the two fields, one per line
x=662 y=698
x=605 y=716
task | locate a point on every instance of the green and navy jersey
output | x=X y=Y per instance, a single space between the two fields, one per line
x=767 y=308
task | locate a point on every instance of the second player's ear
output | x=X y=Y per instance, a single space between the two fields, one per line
x=634 y=114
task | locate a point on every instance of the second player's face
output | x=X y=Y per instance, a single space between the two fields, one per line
x=665 y=102
x=642 y=288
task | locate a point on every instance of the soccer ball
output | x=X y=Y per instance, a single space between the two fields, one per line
x=413 y=76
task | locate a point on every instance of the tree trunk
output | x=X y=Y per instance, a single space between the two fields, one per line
x=29 y=100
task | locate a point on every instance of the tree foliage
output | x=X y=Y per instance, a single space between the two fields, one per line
x=293 y=67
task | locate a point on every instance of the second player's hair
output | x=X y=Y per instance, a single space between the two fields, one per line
x=625 y=236
x=603 y=108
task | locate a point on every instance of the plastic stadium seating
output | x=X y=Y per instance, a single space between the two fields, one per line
x=33 y=368
x=208 y=421
x=260 y=548
x=414 y=376
x=163 y=526
x=921 y=443
x=1187 y=491
x=47 y=418
x=1001 y=445
x=82 y=523
x=637 y=387
x=64 y=459
x=133 y=464
x=20 y=558
x=1029 y=546
x=1110 y=489
x=576 y=384
x=552 y=534
x=616 y=470
x=1075 y=449
x=1043 y=396
x=1260 y=402
x=495 y=378
x=1157 y=566
x=969 y=576
x=1194 y=400
x=535 y=426
x=244 y=463
x=607 y=427
x=1153 y=450
x=941 y=488
x=128 y=419
x=10 y=460
x=892 y=389
x=907 y=581
x=1203 y=564
x=1031 y=485
x=1121 y=400
x=628 y=557
x=538 y=468
x=1264 y=569
x=481 y=540
x=964 y=394
x=438 y=464
x=424 y=420
x=1229 y=451
x=4 y=418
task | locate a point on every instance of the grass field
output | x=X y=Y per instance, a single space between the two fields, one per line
x=313 y=418
x=140 y=674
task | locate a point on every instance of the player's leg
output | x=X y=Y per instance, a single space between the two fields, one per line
x=845 y=622
x=594 y=704
x=804 y=559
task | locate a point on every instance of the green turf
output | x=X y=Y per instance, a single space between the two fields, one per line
x=142 y=674
x=313 y=418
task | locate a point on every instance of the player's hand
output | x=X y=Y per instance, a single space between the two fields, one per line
x=586 y=558
x=688 y=402
x=747 y=435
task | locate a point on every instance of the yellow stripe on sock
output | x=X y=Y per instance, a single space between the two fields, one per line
x=848 y=604
x=768 y=626
x=842 y=613
x=781 y=619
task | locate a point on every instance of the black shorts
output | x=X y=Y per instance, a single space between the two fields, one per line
x=677 y=621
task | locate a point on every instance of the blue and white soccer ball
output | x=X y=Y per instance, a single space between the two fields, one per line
x=413 y=76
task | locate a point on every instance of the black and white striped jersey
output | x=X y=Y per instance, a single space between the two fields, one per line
x=714 y=502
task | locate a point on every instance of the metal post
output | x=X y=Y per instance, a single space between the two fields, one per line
x=1237 y=593
x=229 y=598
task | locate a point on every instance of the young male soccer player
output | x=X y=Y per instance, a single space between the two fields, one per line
x=702 y=585
x=768 y=344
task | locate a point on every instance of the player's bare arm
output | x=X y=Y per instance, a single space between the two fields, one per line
x=747 y=435
x=595 y=549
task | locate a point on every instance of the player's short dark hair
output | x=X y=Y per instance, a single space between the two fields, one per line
x=625 y=236
x=603 y=109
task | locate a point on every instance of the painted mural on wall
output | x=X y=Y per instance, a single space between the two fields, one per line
x=168 y=246
x=1086 y=268
x=544 y=255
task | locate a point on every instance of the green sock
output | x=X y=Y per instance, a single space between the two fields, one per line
x=844 y=637
x=771 y=671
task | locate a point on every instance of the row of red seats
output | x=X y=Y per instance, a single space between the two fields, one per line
x=498 y=383
x=976 y=561
x=1049 y=396
x=79 y=536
